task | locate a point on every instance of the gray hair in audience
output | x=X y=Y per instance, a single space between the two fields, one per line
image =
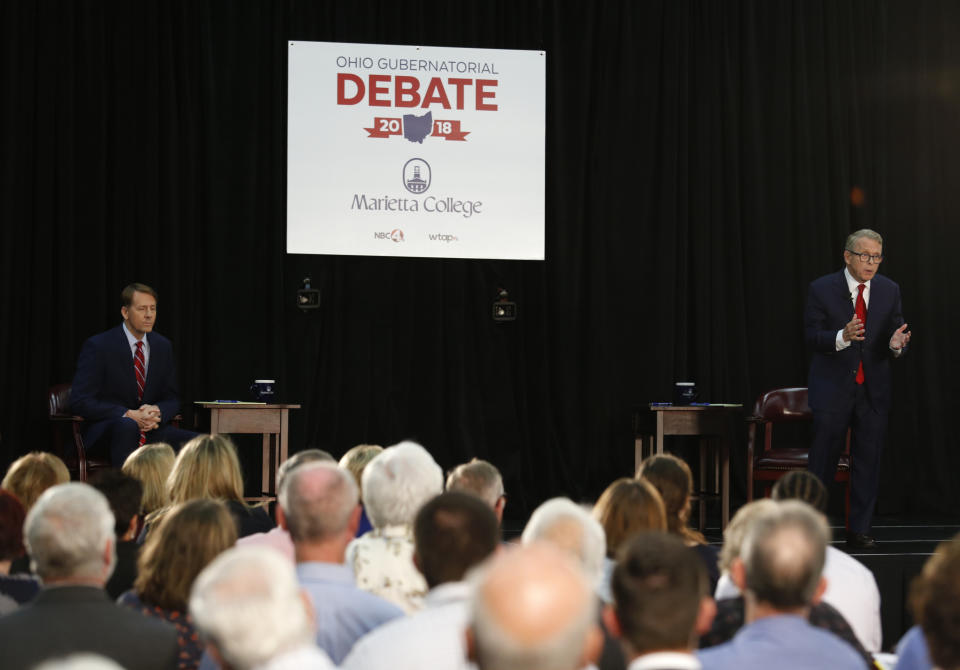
x=511 y=597
x=398 y=482
x=737 y=528
x=317 y=500
x=479 y=478
x=248 y=603
x=81 y=661
x=67 y=531
x=783 y=554
x=298 y=459
x=572 y=528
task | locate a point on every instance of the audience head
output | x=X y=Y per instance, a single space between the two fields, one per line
x=533 y=609
x=570 y=528
x=151 y=465
x=804 y=486
x=206 y=467
x=627 y=507
x=661 y=591
x=320 y=503
x=398 y=482
x=81 y=661
x=69 y=535
x=298 y=459
x=935 y=600
x=186 y=539
x=124 y=493
x=357 y=459
x=248 y=604
x=30 y=475
x=737 y=528
x=481 y=479
x=782 y=556
x=672 y=478
x=12 y=516
x=452 y=533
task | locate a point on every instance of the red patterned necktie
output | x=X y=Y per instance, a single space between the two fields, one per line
x=140 y=369
x=861 y=309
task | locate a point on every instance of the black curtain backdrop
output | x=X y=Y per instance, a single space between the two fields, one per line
x=700 y=163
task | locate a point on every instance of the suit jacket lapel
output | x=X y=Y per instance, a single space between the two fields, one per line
x=126 y=364
x=843 y=293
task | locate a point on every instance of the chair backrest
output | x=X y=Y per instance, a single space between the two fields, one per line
x=783 y=405
x=59 y=399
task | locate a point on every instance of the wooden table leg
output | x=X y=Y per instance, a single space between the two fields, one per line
x=265 y=483
x=725 y=485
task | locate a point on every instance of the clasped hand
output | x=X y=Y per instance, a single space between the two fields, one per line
x=147 y=417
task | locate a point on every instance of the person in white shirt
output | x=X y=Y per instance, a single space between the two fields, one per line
x=662 y=602
x=452 y=533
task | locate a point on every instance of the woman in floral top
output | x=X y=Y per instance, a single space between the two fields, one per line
x=185 y=539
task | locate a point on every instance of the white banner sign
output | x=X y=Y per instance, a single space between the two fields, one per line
x=415 y=151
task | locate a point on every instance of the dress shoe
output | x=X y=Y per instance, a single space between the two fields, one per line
x=860 y=541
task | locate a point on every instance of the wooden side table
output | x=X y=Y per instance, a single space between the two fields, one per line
x=251 y=418
x=711 y=423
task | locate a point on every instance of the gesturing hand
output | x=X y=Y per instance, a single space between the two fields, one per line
x=854 y=330
x=900 y=337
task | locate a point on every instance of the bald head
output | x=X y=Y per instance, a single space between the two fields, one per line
x=572 y=529
x=533 y=610
x=318 y=501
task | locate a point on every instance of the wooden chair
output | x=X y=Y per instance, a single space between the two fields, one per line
x=769 y=463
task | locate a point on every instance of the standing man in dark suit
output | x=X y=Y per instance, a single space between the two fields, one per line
x=69 y=536
x=854 y=326
x=126 y=385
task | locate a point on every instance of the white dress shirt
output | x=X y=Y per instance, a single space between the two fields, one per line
x=132 y=341
x=662 y=660
x=853 y=285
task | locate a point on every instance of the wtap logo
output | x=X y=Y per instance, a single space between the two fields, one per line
x=416 y=175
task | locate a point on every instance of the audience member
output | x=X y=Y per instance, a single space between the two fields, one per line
x=207 y=467
x=395 y=485
x=533 y=609
x=319 y=506
x=32 y=474
x=481 y=479
x=661 y=591
x=452 y=533
x=248 y=606
x=15 y=590
x=69 y=535
x=672 y=478
x=278 y=537
x=356 y=461
x=124 y=493
x=780 y=574
x=730 y=602
x=851 y=587
x=625 y=508
x=570 y=528
x=935 y=602
x=185 y=541
x=151 y=465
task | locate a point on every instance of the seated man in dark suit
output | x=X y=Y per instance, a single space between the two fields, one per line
x=126 y=384
x=69 y=536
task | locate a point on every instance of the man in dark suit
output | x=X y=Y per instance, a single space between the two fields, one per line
x=854 y=326
x=69 y=536
x=125 y=385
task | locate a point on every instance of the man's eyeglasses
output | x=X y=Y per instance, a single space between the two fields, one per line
x=866 y=258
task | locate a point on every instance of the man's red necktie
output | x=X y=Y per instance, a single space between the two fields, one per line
x=140 y=369
x=861 y=309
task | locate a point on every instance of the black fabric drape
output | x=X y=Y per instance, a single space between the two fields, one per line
x=700 y=162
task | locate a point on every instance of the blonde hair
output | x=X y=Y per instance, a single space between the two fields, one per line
x=206 y=467
x=30 y=475
x=151 y=464
x=356 y=459
x=627 y=507
x=185 y=540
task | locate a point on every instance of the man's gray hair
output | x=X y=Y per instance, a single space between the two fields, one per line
x=572 y=528
x=783 y=553
x=67 y=531
x=479 y=478
x=298 y=459
x=247 y=602
x=317 y=501
x=736 y=530
x=398 y=482
x=863 y=233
